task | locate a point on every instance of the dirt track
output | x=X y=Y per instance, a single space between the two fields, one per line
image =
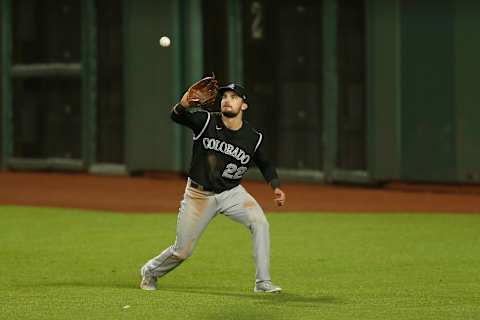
x=163 y=193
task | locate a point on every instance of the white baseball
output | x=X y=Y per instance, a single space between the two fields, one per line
x=164 y=41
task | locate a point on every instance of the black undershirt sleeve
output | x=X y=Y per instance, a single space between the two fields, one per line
x=194 y=119
x=267 y=169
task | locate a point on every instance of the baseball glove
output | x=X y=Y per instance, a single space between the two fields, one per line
x=203 y=93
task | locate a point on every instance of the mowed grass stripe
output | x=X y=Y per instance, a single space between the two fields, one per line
x=75 y=264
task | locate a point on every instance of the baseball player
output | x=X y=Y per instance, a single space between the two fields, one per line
x=224 y=147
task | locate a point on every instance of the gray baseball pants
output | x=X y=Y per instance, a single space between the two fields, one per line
x=197 y=209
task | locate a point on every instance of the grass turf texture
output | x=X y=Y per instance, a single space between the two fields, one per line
x=73 y=264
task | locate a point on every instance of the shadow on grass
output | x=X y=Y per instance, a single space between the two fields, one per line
x=283 y=298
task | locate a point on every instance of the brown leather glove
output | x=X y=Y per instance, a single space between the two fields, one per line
x=202 y=93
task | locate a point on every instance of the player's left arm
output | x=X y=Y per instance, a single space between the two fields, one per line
x=269 y=173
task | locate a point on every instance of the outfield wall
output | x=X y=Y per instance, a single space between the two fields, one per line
x=422 y=98
x=377 y=90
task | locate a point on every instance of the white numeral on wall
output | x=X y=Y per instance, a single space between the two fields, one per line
x=257 y=23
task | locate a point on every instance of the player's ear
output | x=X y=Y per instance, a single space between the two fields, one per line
x=244 y=106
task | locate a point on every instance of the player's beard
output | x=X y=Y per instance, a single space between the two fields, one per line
x=230 y=114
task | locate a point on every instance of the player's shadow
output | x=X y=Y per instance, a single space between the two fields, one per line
x=283 y=298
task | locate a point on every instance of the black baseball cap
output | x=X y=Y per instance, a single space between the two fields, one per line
x=234 y=87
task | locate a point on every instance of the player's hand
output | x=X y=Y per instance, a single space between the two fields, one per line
x=184 y=102
x=279 y=197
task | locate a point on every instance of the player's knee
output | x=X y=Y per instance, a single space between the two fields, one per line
x=261 y=223
x=262 y=220
x=264 y=223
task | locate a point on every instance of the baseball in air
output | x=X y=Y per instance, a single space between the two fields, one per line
x=164 y=41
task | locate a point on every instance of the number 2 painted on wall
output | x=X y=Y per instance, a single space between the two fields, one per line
x=257 y=23
x=233 y=172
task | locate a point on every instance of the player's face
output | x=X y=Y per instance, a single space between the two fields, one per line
x=232 y=104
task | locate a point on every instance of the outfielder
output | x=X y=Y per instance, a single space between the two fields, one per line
x=224 y=147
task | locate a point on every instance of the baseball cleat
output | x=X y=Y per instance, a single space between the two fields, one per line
x=266 y=286
x=149 y=281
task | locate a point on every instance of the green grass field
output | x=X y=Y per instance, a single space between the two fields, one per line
x=74 y=264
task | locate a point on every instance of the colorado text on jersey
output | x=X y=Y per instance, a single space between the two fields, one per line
x=226 y=148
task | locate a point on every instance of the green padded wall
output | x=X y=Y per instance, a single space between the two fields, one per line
x=467 y=93
x=428 y=115
x=383 y=93
x=151 y=82
x=1 y=85
x=192 y=67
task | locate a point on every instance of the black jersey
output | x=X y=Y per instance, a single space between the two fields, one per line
x=221 y=156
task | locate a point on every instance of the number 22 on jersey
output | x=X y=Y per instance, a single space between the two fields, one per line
x=233 y=172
